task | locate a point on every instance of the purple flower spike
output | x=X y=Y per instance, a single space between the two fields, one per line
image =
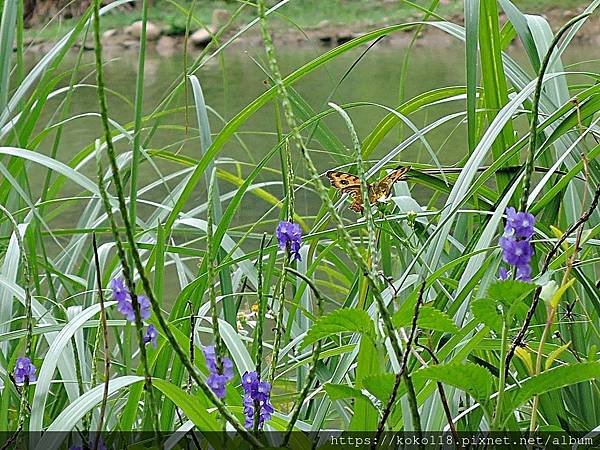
x=119 y=291
x=256 y=394
x=516 y=244
x=125 y=307
x=217 y=380
x=24 y=370
x=524 y=273
x=503 y=274
x=145 y=307
x=151 y=335
x=217 y=384
x=289 y=235
x=249 y=381
x=210 y=357
x=519 y=224
x=516 y=253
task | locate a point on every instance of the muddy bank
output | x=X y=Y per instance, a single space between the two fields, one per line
x=323 y=34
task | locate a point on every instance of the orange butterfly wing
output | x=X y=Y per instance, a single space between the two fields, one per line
x=383 y=188
x=350 y=184
x=343 y=180
x=357 y=201
x=347 y=184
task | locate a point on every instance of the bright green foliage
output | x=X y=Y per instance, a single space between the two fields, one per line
x=387 y=321
x=340 y=321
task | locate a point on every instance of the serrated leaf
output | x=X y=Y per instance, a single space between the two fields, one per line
x=403 y=316
x=486 y=311
x=556 y=378
x=380 y=385
x=468 y=377
x=340 y=321
x=431 y=318
x=508 y=292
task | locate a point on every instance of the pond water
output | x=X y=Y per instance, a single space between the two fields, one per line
x=234 y=79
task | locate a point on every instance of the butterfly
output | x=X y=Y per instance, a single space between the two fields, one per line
x=378 y=191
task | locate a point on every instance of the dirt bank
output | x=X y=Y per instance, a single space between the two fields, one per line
x=324 y=34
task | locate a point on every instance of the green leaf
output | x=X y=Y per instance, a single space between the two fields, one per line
x=431 y=318
x=472 y=36
x=74 y=412
x=342 y=392
x=494 y=82
x=468 y=377
x=194 y=406
x=555 y=300
x=555 y=354
x=508 y=292
x=404 y=315
x=486 y=311
x=365 y=417
x=57 y=351
x=380 y=385
x=340 y=321
x=556 y=378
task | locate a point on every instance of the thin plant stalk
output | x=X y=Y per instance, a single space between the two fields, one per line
x=24 y=403
x=533 y=132
x=104 y=326
x=552 y=309
x=502 y=379
x=127 y=274
x=536 y=295
x=402 y=373
x=442 y=393
x=280 y=296
x=210 y=273
x=118 y=185
x=260 y=315
x=139 y=266
x=139 y=102
x=312 y=373
x=346 y=239
x=258 y=331
x=371 y=264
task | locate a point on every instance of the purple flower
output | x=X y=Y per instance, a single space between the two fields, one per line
x=125 y=307
x=24 y=370
x=519 y=224
x=119 y=291
x=249 y=381
x=524 y=273
x=256 y=394
x=217 y=384
x=503 y=273
x=516 y=253
x=516 y=244
x=289 y=235
x=263 y=391
x=227 y=368
x=151 y=335
x=217 y=379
